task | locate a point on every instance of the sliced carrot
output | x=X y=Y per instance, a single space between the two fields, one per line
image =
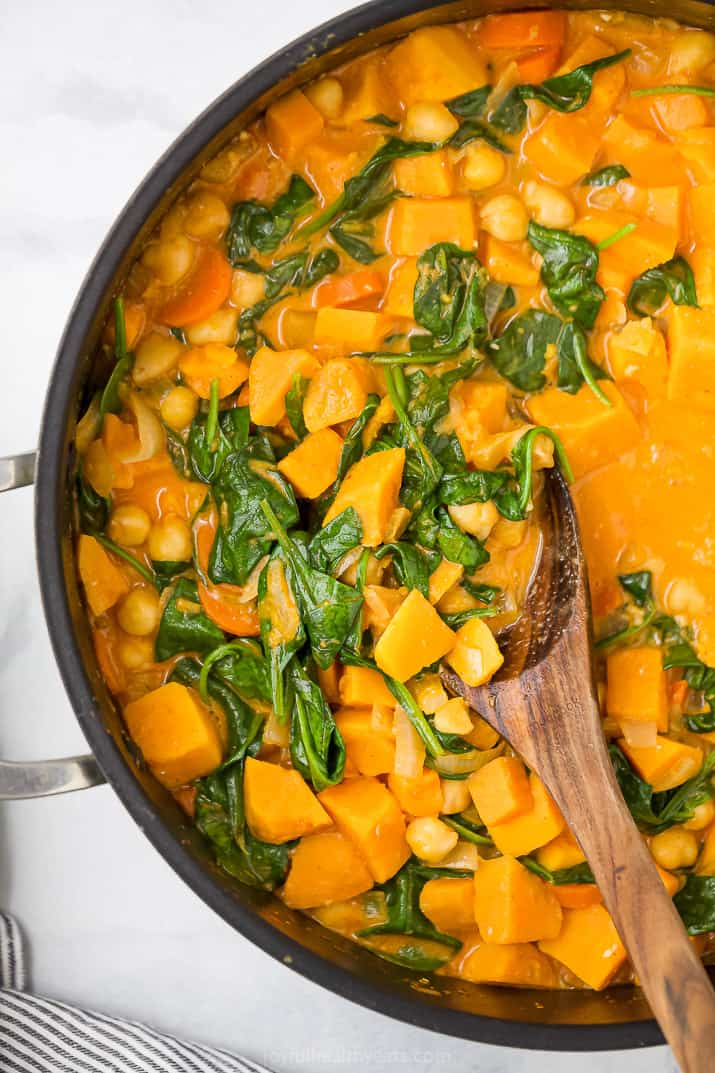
x=539 y=65
x=345 y=290
x=577 y=895
x=205 y=291
x=221 y=602
x=213 y=362
x=523 y=29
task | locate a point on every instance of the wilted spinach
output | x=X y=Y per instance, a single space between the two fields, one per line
x=295 y=397
x=166 y=571
x=282 y=632
x=207 y=456
x=316 y=745
x=261 y=227
x=470 y=109
x=674 y=279
x=184 y=627
x=411 y=565
x=519 y=353
x=332 y=543
x=449 y=299
x=608 y=176
x=695 y=902
x=655 y=812
x=109 y=401
x=93 y=508
x=577 y=873
x=243 y=724
x=468 y=831
x=570 y=263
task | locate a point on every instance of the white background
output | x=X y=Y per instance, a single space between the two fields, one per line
x=90 y=94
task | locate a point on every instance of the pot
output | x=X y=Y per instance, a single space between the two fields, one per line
x=572 y=1020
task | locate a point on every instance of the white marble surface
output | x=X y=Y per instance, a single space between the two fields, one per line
x=91 y=94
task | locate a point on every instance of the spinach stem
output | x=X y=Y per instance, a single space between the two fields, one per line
x=212 y=416
x=415 y=715
x=218 y=654
x=147 y=574
x=657 y=91
x=605 y=243
x=584 y=367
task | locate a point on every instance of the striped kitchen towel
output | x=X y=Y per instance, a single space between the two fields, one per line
x=39 y=1035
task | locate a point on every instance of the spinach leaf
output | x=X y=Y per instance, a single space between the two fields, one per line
x=241 y=666
x=109 y=401
x=570 y=263
x=207 y=456
x=184 y=627
x=695 y=902
x=165 y=572
x=486 y=594
x=608 y=176
x=574 y=365
x=332 y=543
x=470 y=105
x=328 y=607
x=673 y=279
x=317 y=748
x=178 y=453
x=470 y=109
x=457 y=546
x=263 y=228
x=282 y=631
x=520 y=352
x=295 y=397
x=699 y=678
x=353 y=449
x=458 y=618
x=404 y=917
x=564 y=93
x=577 y=873
x=382 y=120
x=411 y=565
x=93 y=508
x=422 y=471
x=243 y=724
x=353 y=228
x=449 y=298
x=656 y=812
x=639 y=586
x=470 y=832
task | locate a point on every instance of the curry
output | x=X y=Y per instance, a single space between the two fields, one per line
x=312 y=475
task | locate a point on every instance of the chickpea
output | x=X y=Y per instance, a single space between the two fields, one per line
x=170 y=540
x=206 y=216
x=453 y=717
x=327 y=96
x=691 y=51
x=674 y=848
x=483 y=166
x=683 y=598
x=138 y=613
x=702 y=817
x=547 y=205
x=247 y=288
x=476 y=518
x=156 y=356
x=455 y=796
x=135 y=652
x=430 y=839
x=129 y=526
x=170 y=259
x=220 y=327
x=428 y=121
x=178 y=408
x=505 y=217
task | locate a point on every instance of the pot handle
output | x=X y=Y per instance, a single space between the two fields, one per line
x=40 y=778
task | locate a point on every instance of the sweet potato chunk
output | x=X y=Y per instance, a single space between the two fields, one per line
x=270 y=378
x=475 y=655
x=325 y=868
x=691 y=346
x=562 y=149
x=533 y=827
x=415 y=223
x=313 y=465
x=666 y=764
x=636 y=686
x=399 y=300
x=280 y=806
x=562 y=852
x=350 y=330
x=448 y=903
x=444 y=578
x=425 y=176
x=508 y=264
x=514 y=964
x=588 y=945
x=177 y=735
x=648 y=245
x=369 y=750
x=698 y=148
x=415 y=638
x=644 y=153
x=434 y=64
x=361 y=687
x=372 y=487
x=418 y=796
x=368 y=814
x=103 y=582
x=338 y=391
x=637 y=352
x=512 y=905
x=291 y=123
x=500 y=790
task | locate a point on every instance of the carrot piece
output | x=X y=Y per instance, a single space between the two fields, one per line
x=345 y=290
x=214 y=361
x=224 y=604
x=539 y=65
x=205 y=291
x=523 y=29
x=577 y=895
x=103 y=582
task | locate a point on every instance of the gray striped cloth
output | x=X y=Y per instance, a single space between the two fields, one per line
x=39 y=1035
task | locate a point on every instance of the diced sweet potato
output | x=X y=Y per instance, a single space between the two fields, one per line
x=691 y=348
x=415 y=223
x=475 y=655
x=588 y=945
x=562 y=148
x=433 y=64
x=680 y=111
x=361 y=687
x=592 y=433
x=508 y=263
x=702 y=262
x=350 y=330
x=448 y=903
x=338 y=391
x=648 y=245
x=201 y=365
x=280 y=806
x=399 y=300
x=325 y=868
x=372 y=487
x=533 y=828
x=670 y=882
x=636 y=686
x=637 y=352
x=444 y=578
x=415 y=638
x=512 y=905
x=666 y=764
x=366 y=92
x=512 y=964
x=291 y=123
x=270 y=378
x=698 y=148
x=477 y=407
x=577 y=895
x=371 y=752
x=430 y=175
x=500 y=790
x=103 y=582
x=177 y=735
x=368 y=814
x=644 y=153
x=562 y=852
x=313 y=465
x=420 y=795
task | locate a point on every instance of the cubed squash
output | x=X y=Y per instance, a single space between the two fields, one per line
x=476 y=407
x=637 y=352
x=372 y=487
x=562 y=852
x=280 y=806
x=361 y=687
x=313 y=465
x=177 y=735
x=508 y=263
x=680 y=111
x=420 y=795
x=512 y=905
x=370 y=751
x=365 y=91
x=331 y=159
x=448 y=903
x=433 y=64
x=636 y=690
x=399 y=300
x=698 y=148
x=103 y=582
x=644 y=153
x=500 y=790
x=511 y=964
x=430 y=175
x=416 y=223
x=415 y=637
x=647 y=245
x=666 y=764
x=691 y=348
x=475 y=655
x=338 y=391
x=702 y=262
x=368 y=814
x=270 y=378
x=325 y=868
x=593 y=434
x=588 y=944
x=532 y=828
x=350 y=330
x=444 y=578
x=291 y=123
x=562 y=148
x=201 y=365
x=577 y=895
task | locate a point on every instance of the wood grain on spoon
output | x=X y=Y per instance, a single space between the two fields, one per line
x=544 y=702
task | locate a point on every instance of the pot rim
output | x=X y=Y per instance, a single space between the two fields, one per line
x=50 y=538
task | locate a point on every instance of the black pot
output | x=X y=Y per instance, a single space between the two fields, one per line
x=575 y=1020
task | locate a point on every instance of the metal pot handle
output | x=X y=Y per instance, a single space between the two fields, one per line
x=40 y=778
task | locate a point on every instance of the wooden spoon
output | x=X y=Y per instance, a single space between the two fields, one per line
x=544 y=702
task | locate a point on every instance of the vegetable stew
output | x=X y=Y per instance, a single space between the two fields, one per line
x=312 y=474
